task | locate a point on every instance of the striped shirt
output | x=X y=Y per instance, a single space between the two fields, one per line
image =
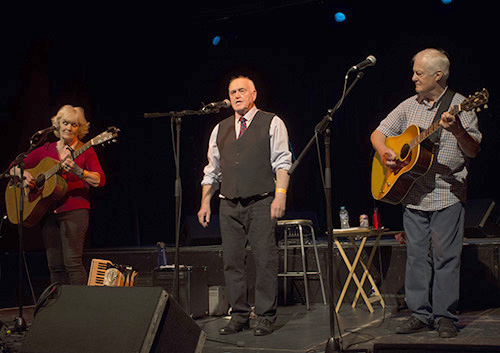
x=446 y=181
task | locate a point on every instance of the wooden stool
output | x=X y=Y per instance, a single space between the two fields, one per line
x=292 y=228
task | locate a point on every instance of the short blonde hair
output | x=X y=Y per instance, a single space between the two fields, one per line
x=71 y=113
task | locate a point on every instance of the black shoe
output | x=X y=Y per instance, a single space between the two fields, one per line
x=233 y=327
x=446 y=328
x=412 y=325
x=264 y=327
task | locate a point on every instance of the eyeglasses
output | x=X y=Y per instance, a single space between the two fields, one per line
x=66 y=123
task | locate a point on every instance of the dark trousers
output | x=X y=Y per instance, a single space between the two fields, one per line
x=434 y=246
x=64 y=236
x=245 y=222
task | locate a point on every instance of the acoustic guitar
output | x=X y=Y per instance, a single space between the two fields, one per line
x=49 y=184
x=414 y=156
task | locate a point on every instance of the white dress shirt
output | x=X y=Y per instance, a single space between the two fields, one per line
x=281 y=157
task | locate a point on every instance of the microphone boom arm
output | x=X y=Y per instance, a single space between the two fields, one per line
x=181 y=113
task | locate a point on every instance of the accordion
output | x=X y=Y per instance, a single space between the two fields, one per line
x=107 y=273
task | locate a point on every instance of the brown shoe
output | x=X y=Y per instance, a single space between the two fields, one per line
x=446 y=328
x=233 y=327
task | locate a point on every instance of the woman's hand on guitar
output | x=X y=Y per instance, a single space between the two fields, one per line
x=28 y=180
x=69 y=165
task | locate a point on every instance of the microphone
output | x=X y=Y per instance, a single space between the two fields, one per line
x=222 y=104
x=369 y=61
x=47 y=130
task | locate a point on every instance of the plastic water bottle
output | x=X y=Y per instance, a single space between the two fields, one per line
x=162 y=254
x=344 y=218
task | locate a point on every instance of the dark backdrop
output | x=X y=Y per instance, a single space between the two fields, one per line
x=121 y=62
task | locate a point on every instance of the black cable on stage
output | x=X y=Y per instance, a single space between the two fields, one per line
x=47 y=294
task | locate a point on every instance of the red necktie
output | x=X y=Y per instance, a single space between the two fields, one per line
x=243 y=126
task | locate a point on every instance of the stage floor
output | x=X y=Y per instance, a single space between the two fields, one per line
x=300 y=330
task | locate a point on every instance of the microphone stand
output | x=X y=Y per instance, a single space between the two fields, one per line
x=36 y=140
x=176 y=118
x=322 y=127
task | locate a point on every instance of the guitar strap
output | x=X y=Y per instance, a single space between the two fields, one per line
x=443 y=107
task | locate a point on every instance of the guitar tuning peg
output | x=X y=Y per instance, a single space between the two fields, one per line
x=486 y=106
x=478 y=110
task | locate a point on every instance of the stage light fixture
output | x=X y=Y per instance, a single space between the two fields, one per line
x=340 y=17
x=446 y=2
x=216 y=40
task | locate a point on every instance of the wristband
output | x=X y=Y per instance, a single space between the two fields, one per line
x=85 y=174
x=283 y=191
x=78 y=171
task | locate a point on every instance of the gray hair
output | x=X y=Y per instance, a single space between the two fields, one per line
x=244 y=77
x=70 y=112
x=435 y=60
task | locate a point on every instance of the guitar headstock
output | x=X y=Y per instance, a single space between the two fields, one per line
x=107 y=136
x=475 y=101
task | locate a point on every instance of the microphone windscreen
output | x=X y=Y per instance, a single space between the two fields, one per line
x=372 y=59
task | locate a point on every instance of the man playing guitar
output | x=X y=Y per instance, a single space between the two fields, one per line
x=434 y=205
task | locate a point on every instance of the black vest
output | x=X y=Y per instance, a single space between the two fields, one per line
x=245 y=162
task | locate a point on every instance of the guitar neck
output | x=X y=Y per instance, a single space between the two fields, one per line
x=434 y=126
x=57 y=168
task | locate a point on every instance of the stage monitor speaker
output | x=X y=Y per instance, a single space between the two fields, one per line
x=81 y=319
x=482 y=219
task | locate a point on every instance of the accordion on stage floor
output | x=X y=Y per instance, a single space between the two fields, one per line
x=107 y=273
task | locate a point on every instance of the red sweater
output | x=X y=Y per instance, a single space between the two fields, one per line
x=77 y=194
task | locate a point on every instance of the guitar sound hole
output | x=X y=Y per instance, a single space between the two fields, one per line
x=404 y=151
x=40 y=181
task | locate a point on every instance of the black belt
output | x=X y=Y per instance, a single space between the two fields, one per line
x=249 y=199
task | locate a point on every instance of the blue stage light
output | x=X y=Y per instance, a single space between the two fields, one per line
x=446 y=2
x=216 y=40
x=339 y=17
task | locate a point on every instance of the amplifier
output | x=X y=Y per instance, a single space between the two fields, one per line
x=193 y=287
x=218 y=302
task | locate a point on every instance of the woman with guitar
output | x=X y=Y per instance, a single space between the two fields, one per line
x=428 y=176
x=65 y=225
